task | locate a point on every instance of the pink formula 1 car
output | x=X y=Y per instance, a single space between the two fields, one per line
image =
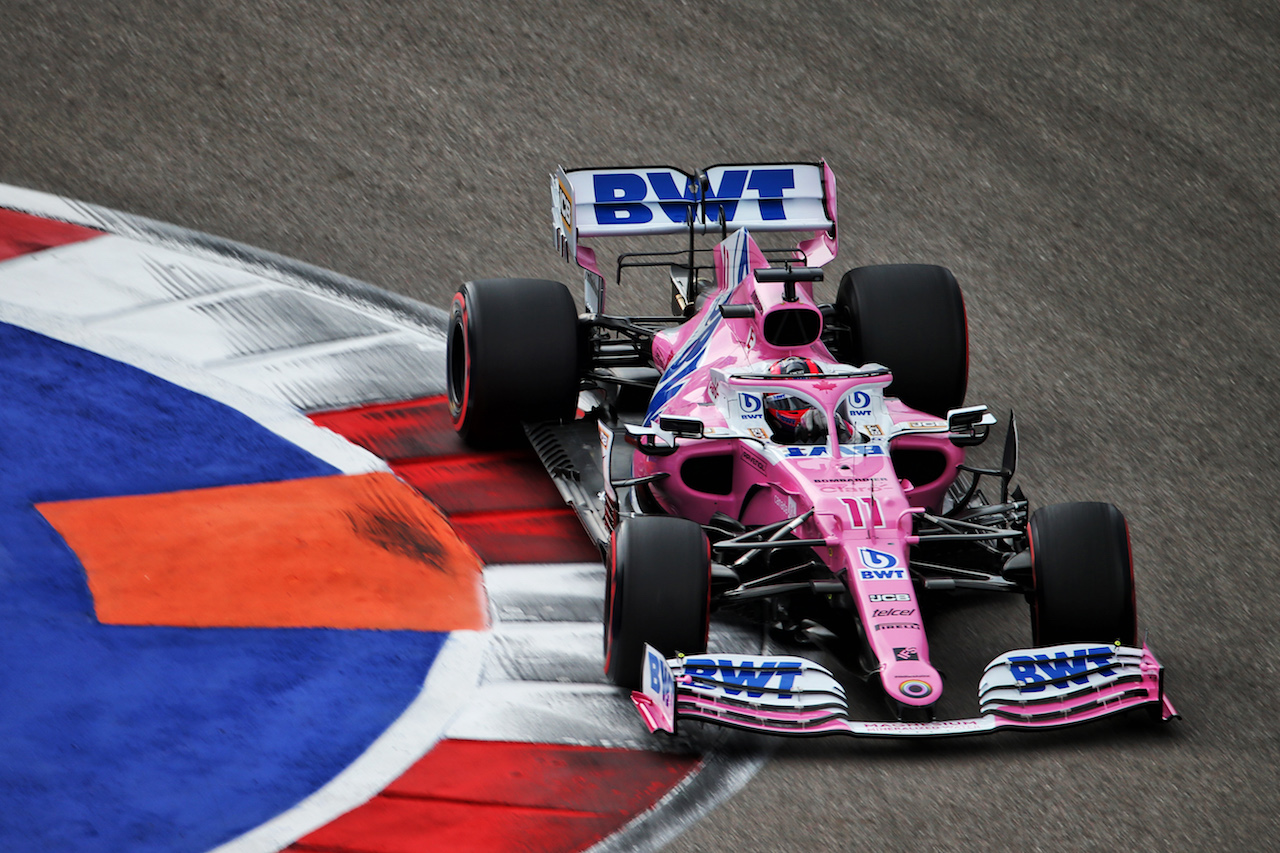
x=760 y=451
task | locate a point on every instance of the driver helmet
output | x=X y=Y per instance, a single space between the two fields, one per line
x=794 y=420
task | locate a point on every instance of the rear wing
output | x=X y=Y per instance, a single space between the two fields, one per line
x=655 y=200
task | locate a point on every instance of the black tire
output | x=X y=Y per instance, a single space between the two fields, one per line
x=512 y=356
x=910 y=318
x=1082 y=576
x=658 y=593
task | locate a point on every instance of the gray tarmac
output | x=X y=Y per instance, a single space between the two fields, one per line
x=1102 y=178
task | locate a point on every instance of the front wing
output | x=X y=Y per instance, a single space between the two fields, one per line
x=1022 y=689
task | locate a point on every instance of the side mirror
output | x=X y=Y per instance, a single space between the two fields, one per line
x=969 y=426
x=647 y=443
x=651 y=441
x=682 y=427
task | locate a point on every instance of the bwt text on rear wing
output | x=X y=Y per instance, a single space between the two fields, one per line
x=656 y=200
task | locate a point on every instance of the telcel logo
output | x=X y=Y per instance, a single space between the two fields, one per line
x=750 y=679
x=1037 y=672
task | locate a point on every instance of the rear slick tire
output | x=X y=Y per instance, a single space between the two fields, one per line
x=1082 y=576
x=658 y=593
x=910 y=318
x=511 y=356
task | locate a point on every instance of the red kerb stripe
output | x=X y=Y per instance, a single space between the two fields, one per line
x=503 y=504
x=485 y=797
x=22 y=233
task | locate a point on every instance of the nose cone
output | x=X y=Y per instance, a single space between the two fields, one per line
x=911 y=681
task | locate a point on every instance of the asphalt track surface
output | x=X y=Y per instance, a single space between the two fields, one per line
x=1101 y=177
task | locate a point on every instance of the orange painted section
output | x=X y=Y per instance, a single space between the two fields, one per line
x=329 y=552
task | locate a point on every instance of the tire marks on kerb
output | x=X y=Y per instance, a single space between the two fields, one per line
x=275 y=339
x=542 y=679
x=542 y=682
x=547 y=631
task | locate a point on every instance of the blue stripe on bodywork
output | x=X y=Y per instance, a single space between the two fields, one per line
x=687 y=359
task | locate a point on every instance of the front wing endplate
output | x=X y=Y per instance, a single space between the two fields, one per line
x=1022 y=689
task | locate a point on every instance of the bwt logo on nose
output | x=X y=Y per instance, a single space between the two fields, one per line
x=882 y=574
x=620 y=196
x=751 y=679
x=1039 y=671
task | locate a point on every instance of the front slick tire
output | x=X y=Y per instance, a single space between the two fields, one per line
x=658 y=593
x=1082 y=572
x=512 y=356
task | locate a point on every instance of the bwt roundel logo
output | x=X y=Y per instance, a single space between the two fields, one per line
x=749 y=405
x=873 y=559
x=859 y=400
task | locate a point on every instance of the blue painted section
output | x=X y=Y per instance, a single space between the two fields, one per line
x=156 y=739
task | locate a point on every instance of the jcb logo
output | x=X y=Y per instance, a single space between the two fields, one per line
x=889 y=596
